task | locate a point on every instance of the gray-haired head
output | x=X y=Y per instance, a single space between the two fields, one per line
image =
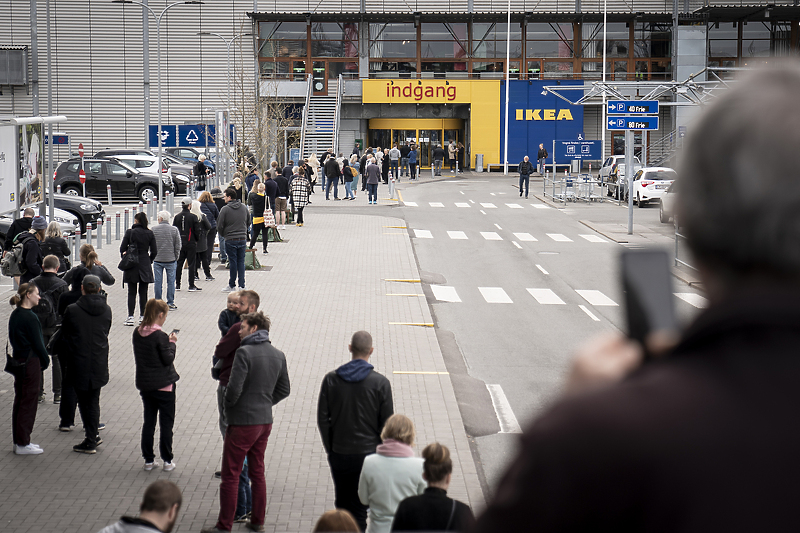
x=739 y=192
x=164 y=215
x=295 y=169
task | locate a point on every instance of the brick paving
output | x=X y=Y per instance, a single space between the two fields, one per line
x=326 y=281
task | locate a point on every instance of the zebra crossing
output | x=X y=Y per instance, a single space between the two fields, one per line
x=519 y=236
x=484 y=205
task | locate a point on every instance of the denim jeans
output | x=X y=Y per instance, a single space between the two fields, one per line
x=244 y=500
x=236 y=250
x=437 y=167
x=158 y=274
x=223 y=255
x=322 y=177
x=372 y=189
x=348 y=189
x=335 y=183
x=404 y=165
x=524 y=179
x=393 y=166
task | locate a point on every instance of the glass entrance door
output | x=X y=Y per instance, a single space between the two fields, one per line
x=428 y=140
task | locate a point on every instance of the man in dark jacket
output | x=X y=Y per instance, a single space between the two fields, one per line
x=354 y=404
x=232 y=226
x=405 y=149
x=271 y=190
x=259 y=379
x=282 y=198
x=438 y=158
x=251 y=178
x=83 y=347
x=698 y=438
x=332 y=174
x=51 y=287
x=525 y=169
x=189 y=228
x=286 y=172
x=362 y=164
x=18 y=226
x=541 y=157
x=31 y=249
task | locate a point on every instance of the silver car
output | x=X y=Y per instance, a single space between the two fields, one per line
x=667 y=210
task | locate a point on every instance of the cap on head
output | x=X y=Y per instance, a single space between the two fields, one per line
x=91 y=283
x=39 y=223
x=186 y=201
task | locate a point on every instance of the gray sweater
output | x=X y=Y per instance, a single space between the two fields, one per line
x=259 y=379
x=233 y=221
x=168 y=242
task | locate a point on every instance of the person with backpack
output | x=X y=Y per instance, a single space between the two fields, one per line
x=189 y=228
x=31 y=253
x=54 y=244
x=20 y=225
x=51 y=287
x=139 y=240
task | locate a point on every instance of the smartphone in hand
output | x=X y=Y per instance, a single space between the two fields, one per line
x=649 y=304
x=175 y=331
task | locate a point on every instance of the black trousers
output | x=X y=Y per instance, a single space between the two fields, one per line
x=298 y=215
x=133 y=288
x=188 y=254
x=346 y=470
x=204 y=261
x=89 y=406
x=69 y=401
x=259 y=228
x=210 y=239
x=158 y=405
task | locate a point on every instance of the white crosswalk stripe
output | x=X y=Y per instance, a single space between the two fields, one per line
x=593 y=238
x=462 y=204
x=540 y=206
x=495 y=295
x=596 y=298
x=444 y=293
x=546 y=297
x=693 y=299
x=491 y=236
x=515 y=206
x=525 y=237
x=558 y=237
x=457 y=235
x=488 y=205
x=410 y=204
x=423 y=234
x=436 y=204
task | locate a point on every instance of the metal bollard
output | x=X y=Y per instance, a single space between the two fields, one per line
x=58 y=189
x=89 y=234
x=99 y=233
x=140 y=208
x=108 y=229
x=126 y=219
x=119 y=218
x=108 y=191
x=149 y=209
x=76 y=246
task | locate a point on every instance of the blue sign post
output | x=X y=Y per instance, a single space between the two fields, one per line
x=632 y=107
x=571 y=150
x=632 y=123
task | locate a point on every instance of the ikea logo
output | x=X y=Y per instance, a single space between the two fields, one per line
x=544 y=114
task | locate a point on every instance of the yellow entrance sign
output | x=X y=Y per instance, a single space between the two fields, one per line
x=417 y=91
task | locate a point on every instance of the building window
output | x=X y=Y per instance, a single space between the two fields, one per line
x=617 y=40
x=392 y=69
x=549 y=40
x=282 y=39
x=445 y=40
x=332 y=39
x=489 y=40
x=392 y=40
x=652 y=39
x=723 y=40
x=763 y=39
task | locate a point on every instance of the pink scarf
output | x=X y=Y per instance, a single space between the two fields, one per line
x=144 y=331
x=394 y=448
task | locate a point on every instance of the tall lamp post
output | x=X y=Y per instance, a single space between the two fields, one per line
x=228 y=44
x=158 y=45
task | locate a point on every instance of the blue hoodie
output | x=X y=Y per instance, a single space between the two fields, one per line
x=354 y=371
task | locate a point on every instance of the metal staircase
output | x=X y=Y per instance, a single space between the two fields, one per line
x=662 y=151
x=321 y=120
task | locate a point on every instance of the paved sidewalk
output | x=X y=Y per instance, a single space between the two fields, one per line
x=327 y=281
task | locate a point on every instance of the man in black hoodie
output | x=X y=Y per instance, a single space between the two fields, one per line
x=354 y=404
x=83 y=346
x=189 y=227
x=49 y=283
x=18 y=226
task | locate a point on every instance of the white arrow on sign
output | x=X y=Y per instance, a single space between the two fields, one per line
x=611 y=123
x=191 y=138
x=612 y=107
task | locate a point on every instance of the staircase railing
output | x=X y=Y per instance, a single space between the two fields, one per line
x=663 y=149
x=304 y=124
x=337 y=112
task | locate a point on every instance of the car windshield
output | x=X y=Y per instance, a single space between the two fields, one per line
x=125 y=164
x=666 y=175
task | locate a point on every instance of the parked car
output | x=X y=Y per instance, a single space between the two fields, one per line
x=126 y=182
x=84 y=209
x=666 y=210
x=617 y=180
x=68 y=222
x=191 y=154
x=179 y=173
x=113 y=152
x=650 y=184
x=609 y=163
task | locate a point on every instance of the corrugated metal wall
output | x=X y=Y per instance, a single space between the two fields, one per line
x=97 y=65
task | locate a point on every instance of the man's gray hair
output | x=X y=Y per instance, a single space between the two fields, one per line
x=164 y=215
x=295 y=169
x=739 y=195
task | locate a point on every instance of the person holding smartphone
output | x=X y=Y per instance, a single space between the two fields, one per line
x=154 y=355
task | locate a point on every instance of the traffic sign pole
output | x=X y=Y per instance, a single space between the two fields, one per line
x=629 y=176
x=82 y=173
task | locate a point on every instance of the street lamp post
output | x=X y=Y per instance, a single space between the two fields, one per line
x=228 y=44
x=158 y=46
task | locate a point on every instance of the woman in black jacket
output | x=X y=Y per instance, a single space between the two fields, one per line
x=154 y=355
x=433 y=510
x=54 y=244
x=209 y=208
x=141 y=275
x=385 y=166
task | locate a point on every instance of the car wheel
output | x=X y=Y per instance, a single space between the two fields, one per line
x=72 y=191
x=662 y=215
x=639 y=200
x=147 y=193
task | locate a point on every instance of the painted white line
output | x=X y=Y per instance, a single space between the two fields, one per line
x=515 y=206
x=540 y=206
x=546 y=297
x=498 y=227
x=515 y=243
x=472 y=201
x=483 y=212
x=462 y=204
x=495 y=295
x=693 y=299
x=488 y=205
x=591 y=315
x=423 y=234
x=491 y=236
x=410 y=204
x=457 y=235
x=462 y=192
x=493 y=194
x=558 y=237
x=593 y=238
x=436 y=204
x=525 y=237
x=508 y=422
x=545 y=272
x=444 y=293
x=596 y=298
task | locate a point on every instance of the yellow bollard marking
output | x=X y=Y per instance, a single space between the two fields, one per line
x=404 y=280
x=421 y=372
x=420 y=324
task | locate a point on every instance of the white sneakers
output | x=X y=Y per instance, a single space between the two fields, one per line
x=149 y=466
x=30 y=449
x=130 y=321
x=168 y=466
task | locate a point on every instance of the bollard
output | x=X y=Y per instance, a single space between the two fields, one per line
x=89 y=234
x=58 y=189
x=119 y=218
x=100 y=233
x=149 y=210
x=107 y=224
x=76 y=247
x=433 y=165
x=108 y=191
x=140 y=208
x=126 y=219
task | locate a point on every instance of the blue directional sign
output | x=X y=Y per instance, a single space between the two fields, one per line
x=632 y=107
x=632 y=123
x=192 y=135
x=569 y=150
x=212 y=134
x=168 y=137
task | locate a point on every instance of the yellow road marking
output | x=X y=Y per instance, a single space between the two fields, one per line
x=421 y=324
x=400 y=195
x=404 y=280
x=396 y=227
x=423 y=373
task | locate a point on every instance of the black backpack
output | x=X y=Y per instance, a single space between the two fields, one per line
x=47 y=309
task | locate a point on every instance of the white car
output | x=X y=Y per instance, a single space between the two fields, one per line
x=609 y=163
x=650 y=183
x=617 y=180
x=666 y=210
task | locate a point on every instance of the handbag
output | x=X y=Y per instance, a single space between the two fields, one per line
x=14 y=366
x=130 y=259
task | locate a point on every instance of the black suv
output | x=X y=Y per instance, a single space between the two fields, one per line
x=126 y=182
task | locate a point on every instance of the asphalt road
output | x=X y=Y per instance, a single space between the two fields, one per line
x=516 y=286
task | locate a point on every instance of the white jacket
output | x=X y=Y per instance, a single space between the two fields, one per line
x=384 y=483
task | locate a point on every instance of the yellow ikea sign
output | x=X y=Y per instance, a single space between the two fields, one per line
x=544 y=114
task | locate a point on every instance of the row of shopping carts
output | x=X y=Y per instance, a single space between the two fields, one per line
x=574 y=188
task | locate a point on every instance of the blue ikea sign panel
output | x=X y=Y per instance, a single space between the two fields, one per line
x=192 y=135
x=212 y=135
x=168 y=137
x=567 y=151
x=535 y=119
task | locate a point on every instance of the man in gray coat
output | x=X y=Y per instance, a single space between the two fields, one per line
x=259 y=379
x=232 y=224
x=168 y=244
